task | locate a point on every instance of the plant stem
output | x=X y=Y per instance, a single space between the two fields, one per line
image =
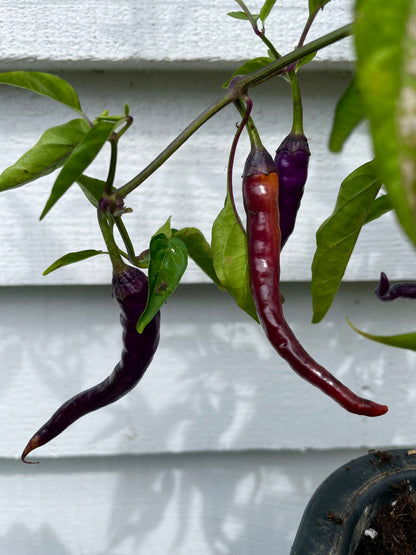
x=245 y=116
x=260 y=34
x=108 y=189
x=238 y=87
x=131 y=255
x=309 y=22
x=297 y=123
x=253 y=134
x=106 y=229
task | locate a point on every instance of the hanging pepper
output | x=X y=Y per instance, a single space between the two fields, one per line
x=129 y=288
x=260 y=195
x=387 y=292
x=292 y=159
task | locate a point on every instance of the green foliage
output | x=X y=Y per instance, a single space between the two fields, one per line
x=380 y=206
x=305 y=60
x=79 y=159
x=71 y=258
x=336 y=237
x=248 y=67
x=315 y=5
x=168 y=261
x=92 y=188
x=49 y=153
x=385 y=45
x=348 y=114
x=266 y=9
x=243 y=16
x=230 y=257
x=403 y=340
x=44 y=84
x=199 y=250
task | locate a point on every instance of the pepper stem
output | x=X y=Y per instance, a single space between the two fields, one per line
x=103 y=215
x=297 y=122
x=245 y=112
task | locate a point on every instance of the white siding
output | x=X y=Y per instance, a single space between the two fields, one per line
x=220 y=447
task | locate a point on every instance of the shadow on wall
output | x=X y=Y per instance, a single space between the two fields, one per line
x=216 y=385
x=187 y=504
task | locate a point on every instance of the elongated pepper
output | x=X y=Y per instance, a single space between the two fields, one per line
x=130 y=291
x=260 y=194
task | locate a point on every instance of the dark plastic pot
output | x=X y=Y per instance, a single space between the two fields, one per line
x=344 y=505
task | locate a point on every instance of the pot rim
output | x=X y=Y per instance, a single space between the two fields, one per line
x=346 y=502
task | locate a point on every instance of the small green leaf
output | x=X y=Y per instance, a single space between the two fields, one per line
x=48 y=154
x=143 y=259
x=243 y=16
x=248 y=67
x=403 y=340
x=315 y=5
x=79 y=159
x=336 y=237
x=230 y=258
x=44 y=84
x=199 y=250
x=348 y=114
x=92 y=188
x=165 y=229
x=380 y=206
x=385 y=45
x=168 y=261
x=305 y=60
x=71 y=258
x=266 y=9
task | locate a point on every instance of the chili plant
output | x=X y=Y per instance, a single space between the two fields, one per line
x=243 y=258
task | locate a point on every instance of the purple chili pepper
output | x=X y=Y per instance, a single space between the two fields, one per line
x=130 y=291
x=387 y=292
x=292 y=158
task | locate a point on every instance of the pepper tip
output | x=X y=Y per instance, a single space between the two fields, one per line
x=33 y=443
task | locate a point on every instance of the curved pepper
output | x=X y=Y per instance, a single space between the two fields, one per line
x=130 y=291
x=260 y=195
x=387 y=292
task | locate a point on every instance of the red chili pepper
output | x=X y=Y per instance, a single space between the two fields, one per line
x=260 y=193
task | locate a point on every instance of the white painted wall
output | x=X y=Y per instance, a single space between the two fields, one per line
x=220 y=447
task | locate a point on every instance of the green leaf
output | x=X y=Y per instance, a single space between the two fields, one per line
x=71 y=258
x=386 y=50
x=168 y=261
x=315 y=5
x=79 y=159
x=380 y=206
x=165 y=229
x=243 y=16
x=48 y=154
x=44 y=84
x=266 y=9
x=403 y=340
x=230 y=258
x=92 y=188
x=199 y=250
x=305 y=60
x=248 y=67
x=336 y=237
x=348 y=114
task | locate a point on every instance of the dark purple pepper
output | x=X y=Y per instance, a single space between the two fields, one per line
x=387 y=292
x=130 y=291
x=292 y=159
